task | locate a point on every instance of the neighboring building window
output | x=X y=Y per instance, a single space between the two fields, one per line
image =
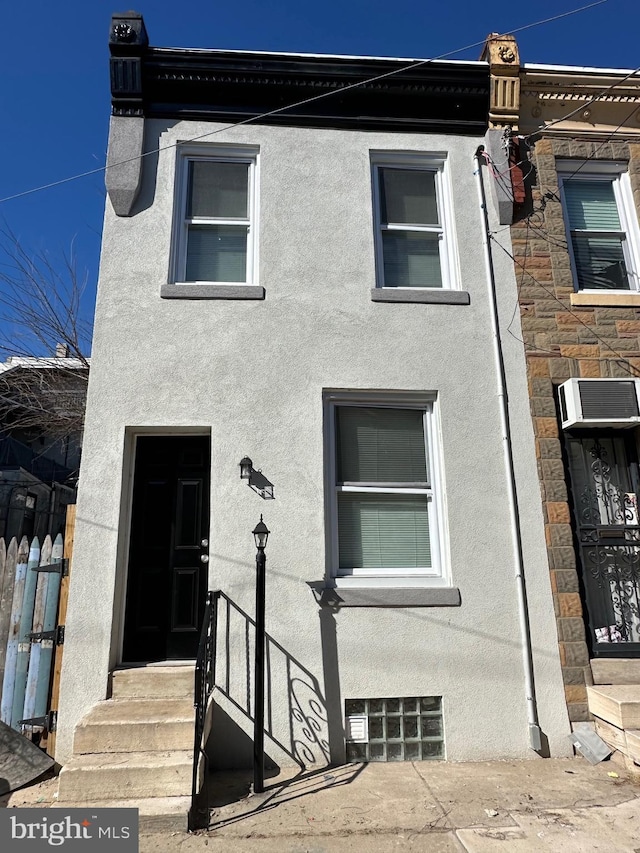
x=601 y=226
x=217 y=240
x=414 y=243
x=384 y=495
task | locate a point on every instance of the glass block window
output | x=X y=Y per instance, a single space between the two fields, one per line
x=398 y=729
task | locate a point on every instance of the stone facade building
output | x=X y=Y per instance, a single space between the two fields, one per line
x=566 y=148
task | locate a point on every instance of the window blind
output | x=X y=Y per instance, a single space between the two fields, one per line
x=411 y=259
x=599 y=259
x=217 y=253
x=600 y=262
x=383 y=531
x=591 y=205
x=408 y=196
x=218 y=190
x=378 y=445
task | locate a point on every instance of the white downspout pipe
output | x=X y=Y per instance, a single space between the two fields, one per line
x=535 y=732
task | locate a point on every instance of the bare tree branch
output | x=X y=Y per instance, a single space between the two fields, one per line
x=46 y=339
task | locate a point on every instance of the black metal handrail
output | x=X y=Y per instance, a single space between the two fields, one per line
x=205 y=679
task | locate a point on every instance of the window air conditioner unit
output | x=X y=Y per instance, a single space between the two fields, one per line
x=613 y=403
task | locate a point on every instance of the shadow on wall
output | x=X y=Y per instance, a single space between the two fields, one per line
x=312 y=734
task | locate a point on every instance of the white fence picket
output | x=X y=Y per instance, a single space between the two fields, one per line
x=29 y=602
x=38 y=623
x=11 y=659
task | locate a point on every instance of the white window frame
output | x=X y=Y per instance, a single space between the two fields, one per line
x=419 y=162
x=219 y=154
x=435 y=576
x=617 y=174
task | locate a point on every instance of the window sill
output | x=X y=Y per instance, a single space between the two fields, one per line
x=211 y=291
x=621 y=299
x=414 y=294
x=386 y=596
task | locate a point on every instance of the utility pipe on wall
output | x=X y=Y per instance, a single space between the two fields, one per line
x=535 y=732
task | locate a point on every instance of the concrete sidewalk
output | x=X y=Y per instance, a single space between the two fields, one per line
x=546 y=806
x=517 y=806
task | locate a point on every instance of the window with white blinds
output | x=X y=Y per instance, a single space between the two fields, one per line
x=411 y=234
x=217 y=239
x=383 y=491
x=598 y=226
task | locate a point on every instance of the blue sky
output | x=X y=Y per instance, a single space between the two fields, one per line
x=55 y=102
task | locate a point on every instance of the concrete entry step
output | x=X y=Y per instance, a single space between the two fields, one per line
x=126 y=775
x=156 y=814
x=618 y=704
x=153 y=682
x=615 y=670
x=136 y=725
x=611 y=735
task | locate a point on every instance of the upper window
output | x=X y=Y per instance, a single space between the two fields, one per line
x=413 y=234
x=384 y=495
x=217 y=239
x=601 y=227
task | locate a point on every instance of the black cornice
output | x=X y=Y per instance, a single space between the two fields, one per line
x=224 y=86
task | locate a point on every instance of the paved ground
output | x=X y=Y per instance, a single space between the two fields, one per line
x=546 y=806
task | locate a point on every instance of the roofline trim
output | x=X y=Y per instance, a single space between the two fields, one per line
x=280 y=53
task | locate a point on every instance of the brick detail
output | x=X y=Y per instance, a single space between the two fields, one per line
x=571 y=630
x=545 y=427
x=557 y=512
x=582 y=351
x=575 y=693
x=570 y=604
x=575 y=655
x=564 y=580
x=578 y=712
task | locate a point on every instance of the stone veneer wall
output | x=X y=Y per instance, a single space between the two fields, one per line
x=564 y=341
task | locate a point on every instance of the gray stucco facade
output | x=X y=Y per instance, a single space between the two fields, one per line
x=255 y=374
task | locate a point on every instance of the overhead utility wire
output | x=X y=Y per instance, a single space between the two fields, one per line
x=542 y=128
x=547 y=238
x=595 y=98
x=366 y=82
x=583 y=162
x=550 y=293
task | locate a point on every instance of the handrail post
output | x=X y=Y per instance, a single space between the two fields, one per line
x=204 y=683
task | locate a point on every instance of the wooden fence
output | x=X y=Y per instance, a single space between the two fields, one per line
x=34 y=579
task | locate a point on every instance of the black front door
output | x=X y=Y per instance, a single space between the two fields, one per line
x=168 y=553
x=606 y=489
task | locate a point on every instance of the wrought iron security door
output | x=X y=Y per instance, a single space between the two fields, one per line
x=606 y=487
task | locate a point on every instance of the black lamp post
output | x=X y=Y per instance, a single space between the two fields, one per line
x=261 y=534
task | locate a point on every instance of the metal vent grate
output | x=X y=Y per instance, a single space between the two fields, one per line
x=608 y=400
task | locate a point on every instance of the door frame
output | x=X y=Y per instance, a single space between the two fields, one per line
x=131 y=435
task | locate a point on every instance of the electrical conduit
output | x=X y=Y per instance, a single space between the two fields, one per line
x=535 y=732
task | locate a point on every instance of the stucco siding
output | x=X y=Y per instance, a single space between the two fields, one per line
x=252 y=373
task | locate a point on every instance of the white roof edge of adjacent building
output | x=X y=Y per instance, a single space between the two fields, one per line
x=325 y=55
x=14 y=361
x=581 y=69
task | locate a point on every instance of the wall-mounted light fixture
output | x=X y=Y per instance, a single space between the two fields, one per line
x=256 y=479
